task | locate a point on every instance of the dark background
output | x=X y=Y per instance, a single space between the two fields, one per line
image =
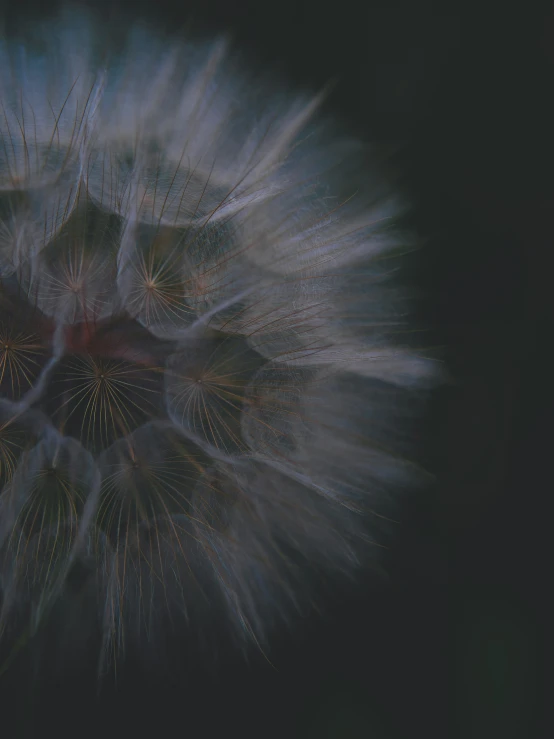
x=460 y=97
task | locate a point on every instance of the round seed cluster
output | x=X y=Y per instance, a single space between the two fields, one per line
x=196 y=367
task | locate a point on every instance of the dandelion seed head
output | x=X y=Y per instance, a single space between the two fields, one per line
x=202 y=386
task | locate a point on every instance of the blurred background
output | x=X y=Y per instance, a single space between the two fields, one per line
x=457 y=98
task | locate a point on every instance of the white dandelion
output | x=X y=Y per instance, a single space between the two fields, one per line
x=204 y=392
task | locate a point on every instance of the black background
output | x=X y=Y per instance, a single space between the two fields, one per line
x=453 y=644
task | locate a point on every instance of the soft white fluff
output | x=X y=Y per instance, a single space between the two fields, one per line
x=236 y=243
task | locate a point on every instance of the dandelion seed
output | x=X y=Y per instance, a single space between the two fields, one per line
x=72 y=278
x=13 y=439
x=98 y=400
x=44 y=510
x=205 y=383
